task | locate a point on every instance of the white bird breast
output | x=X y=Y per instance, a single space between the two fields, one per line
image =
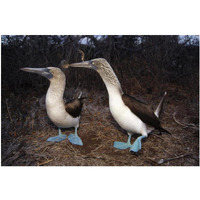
x=57 y=113
x=62 y=119
x=124 y=117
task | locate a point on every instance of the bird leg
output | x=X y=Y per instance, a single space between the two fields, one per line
x=75 y=139
x=58 y=138
x=137 y=145
x=123 y=145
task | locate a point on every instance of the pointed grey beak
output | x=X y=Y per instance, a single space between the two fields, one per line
x=41 y=71
x=85 y=64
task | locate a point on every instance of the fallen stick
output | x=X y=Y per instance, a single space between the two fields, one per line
x=153 y=162
x=161 y=161
x=185 y=125
x=45 y=162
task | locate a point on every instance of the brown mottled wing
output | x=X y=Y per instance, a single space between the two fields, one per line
x=74 y=108
x=141 y=110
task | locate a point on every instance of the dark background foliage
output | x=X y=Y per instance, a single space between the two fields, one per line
x=155 y=59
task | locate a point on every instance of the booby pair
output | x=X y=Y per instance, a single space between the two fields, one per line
x=63 y=115
x=131 y=114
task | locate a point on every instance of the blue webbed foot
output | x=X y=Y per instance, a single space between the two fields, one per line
x=121 y=145
x=75 y=139
x=56 y=138
x=137 y=144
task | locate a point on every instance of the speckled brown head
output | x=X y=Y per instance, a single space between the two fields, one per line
x=103 y=68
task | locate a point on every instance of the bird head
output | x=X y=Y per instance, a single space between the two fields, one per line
x=51 y=73
x=97 y=64
x=103 y=68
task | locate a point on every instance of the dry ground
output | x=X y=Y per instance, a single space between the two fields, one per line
x=26 y=127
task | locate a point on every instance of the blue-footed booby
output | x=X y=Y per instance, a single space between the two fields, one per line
x=63 y=115
x=131 y=114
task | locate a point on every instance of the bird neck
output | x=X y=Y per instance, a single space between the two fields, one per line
x=55 y=91
x=111 y=81
x=114 y=93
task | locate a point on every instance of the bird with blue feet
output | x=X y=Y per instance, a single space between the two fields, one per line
x=63 y=115
x=131 y=114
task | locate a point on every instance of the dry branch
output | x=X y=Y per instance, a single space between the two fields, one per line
x=161 y=161
x=82 y=55
x=185 y=125
x=45 y=162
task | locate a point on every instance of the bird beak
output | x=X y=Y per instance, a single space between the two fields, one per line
x=41 y=71
x=85 y=64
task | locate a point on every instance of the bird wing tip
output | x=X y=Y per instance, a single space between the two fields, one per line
x=80 y=95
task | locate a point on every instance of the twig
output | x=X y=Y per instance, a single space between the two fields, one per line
x=82 y=55
x=161 y=161
x=158 y=137
x=100 y=146
x=71 y=148
x=185 y=125
x=8 y=111
x=179 y=123
x=45 y=162
x=46 y=145
x=171 y=154
x=153 y=162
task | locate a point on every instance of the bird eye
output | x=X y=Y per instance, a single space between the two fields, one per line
x=93 y=63
x=51 y=71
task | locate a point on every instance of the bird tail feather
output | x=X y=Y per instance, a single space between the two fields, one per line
x=80 y=96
